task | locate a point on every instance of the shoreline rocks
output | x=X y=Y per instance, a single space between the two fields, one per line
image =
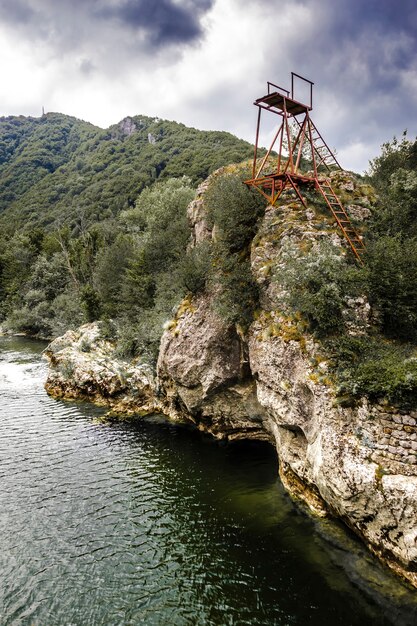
x=82 y=365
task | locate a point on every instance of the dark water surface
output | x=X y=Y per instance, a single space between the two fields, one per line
x=154 y=524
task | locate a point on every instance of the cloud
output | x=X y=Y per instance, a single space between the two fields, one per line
x=163 y=21
x=203 y=62
x=381 y=15
x=362 y=57
x=86 y=66
x=16 y=12
x=73 y=23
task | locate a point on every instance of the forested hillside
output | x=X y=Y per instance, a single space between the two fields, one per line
x=57 y=167
x=93 y=222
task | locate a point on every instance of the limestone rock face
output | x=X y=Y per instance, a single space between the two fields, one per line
x=82 y=365
x=128 y=126
x=333 y=457
x=197 y=217
x=274 y=384
x=202 y=372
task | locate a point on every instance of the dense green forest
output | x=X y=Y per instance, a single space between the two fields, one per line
x=93 y=227
x=93 y=222
x=59 y=169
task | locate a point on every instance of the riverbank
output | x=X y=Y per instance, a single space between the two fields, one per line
x=83 y=364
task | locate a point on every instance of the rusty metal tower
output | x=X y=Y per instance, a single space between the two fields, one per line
x=298 y=137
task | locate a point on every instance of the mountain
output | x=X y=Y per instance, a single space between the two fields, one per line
x=93 y=222
x=56 y=167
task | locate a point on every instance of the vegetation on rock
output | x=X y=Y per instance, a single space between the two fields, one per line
x=378 y=361
x=94 y=226
x=234 y=211
x=93 y=222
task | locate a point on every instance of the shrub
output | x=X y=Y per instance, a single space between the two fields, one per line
x=128 y=345
x=67 y=312
x=90 y=303
x=235 y=210
x=317 y=284
x=372 y=367
x=194 y=268
x=392 y=263
x=33 y=320
x=238 y=296
x=111 y=264
x=394 y=176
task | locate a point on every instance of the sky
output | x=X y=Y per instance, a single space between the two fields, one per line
x=204 y=62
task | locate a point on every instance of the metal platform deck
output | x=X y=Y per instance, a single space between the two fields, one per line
x=281 y=102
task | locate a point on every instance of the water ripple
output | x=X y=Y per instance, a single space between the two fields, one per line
x=151 y=525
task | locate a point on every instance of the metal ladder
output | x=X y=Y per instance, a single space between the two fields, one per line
x=342 y=218
x=322 y=153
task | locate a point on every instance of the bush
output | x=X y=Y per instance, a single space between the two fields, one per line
x=140 y=338
x=394 y=176
x=33 y=320
x=392 y=264
x=128 y=345
x=67 y=312
x=235 y=210
x=238 y=296
x=317 y=284
x=394 y=155
x=111 y=264
x=195 y=267
x=90 y=303
x=378 y=369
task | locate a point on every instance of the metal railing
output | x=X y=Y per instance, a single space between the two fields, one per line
x=294 y=75
x=291 y=94
x=278 y=87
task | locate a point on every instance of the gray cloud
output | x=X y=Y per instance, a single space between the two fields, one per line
x=87 y=67
x=16 y=12
x=159 y=23
x=362 y=57
x=382 y=15
x=374 y=39
x=162 y=21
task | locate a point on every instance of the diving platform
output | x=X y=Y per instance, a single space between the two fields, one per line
x=298 y=140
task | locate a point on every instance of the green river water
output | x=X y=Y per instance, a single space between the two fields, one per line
x=153 y=524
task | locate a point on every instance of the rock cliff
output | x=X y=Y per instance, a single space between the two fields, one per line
x=272 y=383
x=359 y=464
x=203 y=373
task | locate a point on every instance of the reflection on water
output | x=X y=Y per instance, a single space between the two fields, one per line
x=153 y=524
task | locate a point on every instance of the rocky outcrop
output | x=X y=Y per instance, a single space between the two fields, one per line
x=272 y=383
x=128 y=126
x=332 y=456
x=83 y=365
x=204 y=375
x=357 y=463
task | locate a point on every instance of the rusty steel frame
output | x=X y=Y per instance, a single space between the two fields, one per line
x=286 y=174
x=294 y=75
x=278 y=87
